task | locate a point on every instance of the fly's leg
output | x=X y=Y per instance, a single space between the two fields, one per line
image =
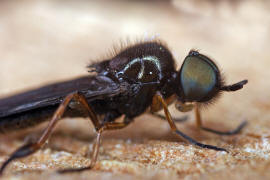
x=33 y=147
x=232 y=132
x=107 y=126
x=93 y=157
x=179 y=133
x=157 y=106
x=181 y=119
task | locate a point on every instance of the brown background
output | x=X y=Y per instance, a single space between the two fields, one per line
x=48 y=41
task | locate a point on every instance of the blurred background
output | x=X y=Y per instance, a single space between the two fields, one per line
x=53 y=40
x=43 y=41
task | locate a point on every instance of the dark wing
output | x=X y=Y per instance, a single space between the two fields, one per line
x=93 y=87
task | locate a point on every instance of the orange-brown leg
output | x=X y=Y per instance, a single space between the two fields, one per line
x=33 y=147
x=179 y=133
x=93 y=157
x=200 y=125
x=177 y=120
x=107 y=126
x=157 y=106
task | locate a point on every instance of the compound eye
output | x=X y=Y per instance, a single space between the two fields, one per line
x=198 y=78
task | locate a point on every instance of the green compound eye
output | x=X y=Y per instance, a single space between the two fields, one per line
x=199 y=77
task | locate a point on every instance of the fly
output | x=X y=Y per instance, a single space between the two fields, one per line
x=138 y=78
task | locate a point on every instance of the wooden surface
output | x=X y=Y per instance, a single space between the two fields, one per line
x=49 y=41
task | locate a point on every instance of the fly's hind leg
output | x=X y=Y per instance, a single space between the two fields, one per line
x=30 y=148
x=227 y=133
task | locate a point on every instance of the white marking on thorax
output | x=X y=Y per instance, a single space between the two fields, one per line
x=152 y=59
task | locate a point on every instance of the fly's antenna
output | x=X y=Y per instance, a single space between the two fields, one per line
x=234 y=87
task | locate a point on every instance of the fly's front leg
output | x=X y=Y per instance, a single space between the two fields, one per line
x=177 y=120
x=200 y=125
x=33 y=147
x=179 y=133
x=157 y=106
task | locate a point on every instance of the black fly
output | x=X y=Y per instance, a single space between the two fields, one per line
x=140 y=77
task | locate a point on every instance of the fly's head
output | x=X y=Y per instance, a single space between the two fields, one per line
x=199 y=81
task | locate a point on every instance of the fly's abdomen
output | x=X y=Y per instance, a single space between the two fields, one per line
x=25 y=119
x=34 y=117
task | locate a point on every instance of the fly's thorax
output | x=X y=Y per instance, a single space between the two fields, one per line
x=145 y=69
x=145 y=62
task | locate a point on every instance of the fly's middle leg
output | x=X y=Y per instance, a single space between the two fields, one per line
x=107 y=126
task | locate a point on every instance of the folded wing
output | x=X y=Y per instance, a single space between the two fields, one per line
x=93 y=87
